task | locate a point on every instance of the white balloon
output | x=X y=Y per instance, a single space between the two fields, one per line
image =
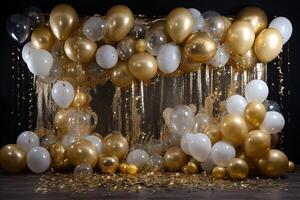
x=137 y=157
x=273 y=122
x=28 y=48
x=236 y=104
x=63 y=93
x=198 y=19
x=256 y=91
x=201 y=121
x=96 y=142
x=221 y=57
x=199 y=147
x=208 y=165
x=28 y=140
x=181 y=120
x=222 y=152
x=68 y=140
x=38 y=159
x=185 y=141
x=107 y=56
x=284 y=26
x=39 y=62
x=168 y=58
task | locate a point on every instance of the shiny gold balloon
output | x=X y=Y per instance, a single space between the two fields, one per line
x=119 y=21
x=12 y=158
x=255 y=113
x=175 y=159
x=120 y=75
x=190 y=168
x=291 y=167
x=132 y=169
x=81 y=100
x=268 y=45
x=274 y=164
x=179 y=24
x=142 y=66
x=123 y=167
x=219 y=172
x=115 y=144
x=63 y=21
x=213 y=132
x=108 y=164
x=238 y=169
x=240 y=37
x=256 y=16
x=141 y=45
x=82 y=152
x=234 y=129
x=58 y=154
x=80 y=49
x=200 y=47
x=257 y=143
x=42 y=38
x=244 y=62
x=227 y=23
x=252 y=162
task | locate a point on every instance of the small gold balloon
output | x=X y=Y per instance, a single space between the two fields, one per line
x=274 y=164
x=238 y=169
x=81 y=100
x=42 y=38
x=119 y=21
x=120 y=75
x=132 y=169
x=255 y=113
x=12 y=158
x=175 y=159
x=252 y=162
x=240 y=37
x=291 y=167
x=58 y=154
x=268 y=45
x=190 y=168
x=257 y=143
x=200 y=47
x=108 y=164
x=227 y=23
x=245 y=62
x=219 y=172
x=142 y=66
x=60 y=122
x=116 y=144
x=179 y=24
x=141 y=45
x=82 y=151
x=63 y=21
x=214 y=133
x=123 y=167
x=234 y=129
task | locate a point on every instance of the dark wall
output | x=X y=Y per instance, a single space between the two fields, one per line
x=273 y=8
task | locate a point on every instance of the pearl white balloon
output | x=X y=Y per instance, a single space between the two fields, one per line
x=28 y=48
x=28 y=140
x=181 y=120
x=222 y=152
x=256 y=91
x=208 y=165
x=201 y=121
x=168 y=58
x=273 y=122
x=96 y=142
x=63 y=93
x=236 y=104
x=284 y=26
x=199 y=147
x=94 y=28
x=185 y=141
x=221 y=57
x=198 y=19
x=38 y=159
x=39 y=62
x=107 y=56
x=138 y=157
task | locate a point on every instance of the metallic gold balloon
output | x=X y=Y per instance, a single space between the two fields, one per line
x=123 y=167
x=234 y=129
x=175 y=159
x=257 y=143
x=115 y=144
x=80 y=49
x=256 y=16
x=132 y=169
x=12 y=158
x=141 y=45
x=82 y=152
x=190 y=168
x=255 y=113
x=274 y=164
x=81 y=100
x=108 y=164
x=227 y=23
x=245 y=62
x=268 y=45
x=240 y=37
x=291 y=167
x=200 y=47
x=213 y=132
x=219 y=172
x=252 y=162
x=179 y=24
x=42 y=38
x=238 y=169
x=63 y=21
x=119 y=21
x=58 y=154
x=120 y=75
x=142 y=66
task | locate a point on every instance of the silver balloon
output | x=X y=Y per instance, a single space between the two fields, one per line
x=94 y=28
x=155 y=163
x=154 y=147
x=126 y=48
x=202 y=120
x=215 y=26
x=181 y=120
x=272 y=106
x=138 y=30
x=36 y=17
x=18 y=27
x=155 y=39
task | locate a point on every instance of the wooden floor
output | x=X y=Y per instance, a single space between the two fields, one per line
x=22 y=187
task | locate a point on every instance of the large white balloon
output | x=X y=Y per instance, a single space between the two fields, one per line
x=39 y=62
x=284 y=26
x=185 y=141
x=222 y=152
x=28 y=140
x=208 y=165
x=63 y=93
x=28 y=48
x=107 y=56
x=168 y=58
x=96 y=141
x=38 y=159
x=137 y=157
x=236 y=104
x=181 y=120
x=200 y=146
x=198 y=19
x=256 y=90
x=221 y=57
x=273 y=122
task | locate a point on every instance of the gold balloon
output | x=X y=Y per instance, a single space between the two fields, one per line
x=257 y=143
x=142 y=66
x=82 y=152
x=81 y=100
x=63 y=21
x=12 y=158
x=115 y=144
x=123 y=167
x=141 y=45
x=274 y=164
x=132 y=169
x=200 y=47
x=119 y=21
x=245 y=62
x=268 y=45
x=255 y=113
x=214 y=133
x=240 y=37
x=234 y=129
x=190 y=168
x=75 y=74
x=219 y=172
x=58 y=154
x=238 y=169
x=252 y=162
x=227 y=23
x=80 y=49
x=120 y=75
x=291 y=167
x=175 y=159
x=42 y=38
x=60 y=122
x=256 y=16
x=108 y=164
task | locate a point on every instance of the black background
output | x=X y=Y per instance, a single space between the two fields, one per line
x=273 y=8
